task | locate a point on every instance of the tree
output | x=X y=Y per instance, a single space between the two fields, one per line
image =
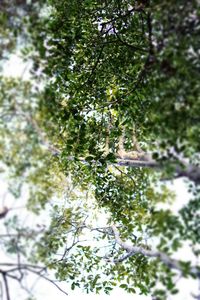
x=110 y=115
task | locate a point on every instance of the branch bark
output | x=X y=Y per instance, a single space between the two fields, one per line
x=132 y=250
x=145 y=160
x=190 y=171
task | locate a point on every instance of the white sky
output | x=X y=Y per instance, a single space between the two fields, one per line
x=15 y=67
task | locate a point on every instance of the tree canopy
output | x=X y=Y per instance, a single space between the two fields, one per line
x=108 y=118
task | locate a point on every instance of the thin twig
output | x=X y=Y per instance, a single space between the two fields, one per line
x=4 y=276
x=49 y=280
x=139 y=8
x=123 y=42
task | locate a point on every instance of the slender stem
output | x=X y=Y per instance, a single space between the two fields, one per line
x=4 y=276
x=139 y=8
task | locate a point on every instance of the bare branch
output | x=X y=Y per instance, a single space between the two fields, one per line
x=37 y=270
x=22 y=266
x=4 y=276
x=49 y=280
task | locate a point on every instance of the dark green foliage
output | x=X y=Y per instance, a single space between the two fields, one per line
x=103 y=69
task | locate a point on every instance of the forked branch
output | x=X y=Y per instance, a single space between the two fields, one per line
x=132 y=250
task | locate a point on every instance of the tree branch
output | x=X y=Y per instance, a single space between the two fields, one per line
x=37 y=270
x=132 y=250
x=190 y=171
x=49 y=280
x=4 y=276
x=123 y=42
x=144 y=160
x=139 y=8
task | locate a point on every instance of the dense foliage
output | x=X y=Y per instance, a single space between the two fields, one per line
x=109 y=116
